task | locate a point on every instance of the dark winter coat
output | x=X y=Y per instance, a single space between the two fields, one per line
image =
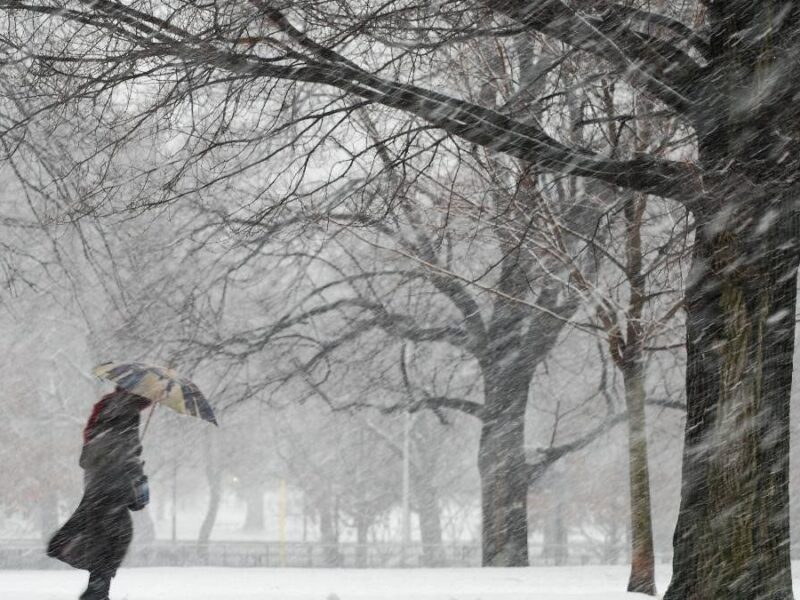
x=97 y=535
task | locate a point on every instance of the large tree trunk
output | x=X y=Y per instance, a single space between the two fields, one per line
x=732 y=536
x=642 y=578
x=504 y=478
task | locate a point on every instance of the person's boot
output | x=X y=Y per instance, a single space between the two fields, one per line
x=97 y=589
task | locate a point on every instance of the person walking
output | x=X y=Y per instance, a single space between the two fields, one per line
x=97 y=535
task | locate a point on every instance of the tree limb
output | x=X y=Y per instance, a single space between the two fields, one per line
x=476 y=124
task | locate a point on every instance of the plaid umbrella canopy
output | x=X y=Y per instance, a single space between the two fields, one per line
x=159 y=384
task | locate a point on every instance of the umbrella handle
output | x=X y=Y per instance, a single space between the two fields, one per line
x=147 y=423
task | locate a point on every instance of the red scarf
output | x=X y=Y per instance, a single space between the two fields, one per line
x=96 y=410
x=141 y=404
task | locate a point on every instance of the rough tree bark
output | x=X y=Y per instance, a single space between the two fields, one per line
x=504 y=476
x=642 y=577
x=732 y=536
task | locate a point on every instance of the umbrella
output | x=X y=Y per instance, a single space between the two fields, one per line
x=159 y=384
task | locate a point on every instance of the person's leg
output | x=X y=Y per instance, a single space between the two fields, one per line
x=99 y=584
x=113 y=535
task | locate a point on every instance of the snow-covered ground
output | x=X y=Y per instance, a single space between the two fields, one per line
x=208 y=583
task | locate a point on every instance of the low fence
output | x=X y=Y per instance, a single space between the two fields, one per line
x=28 y=554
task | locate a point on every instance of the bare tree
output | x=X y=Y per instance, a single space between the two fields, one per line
x=728 y=71
x=506 y=326
x=647 y=255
